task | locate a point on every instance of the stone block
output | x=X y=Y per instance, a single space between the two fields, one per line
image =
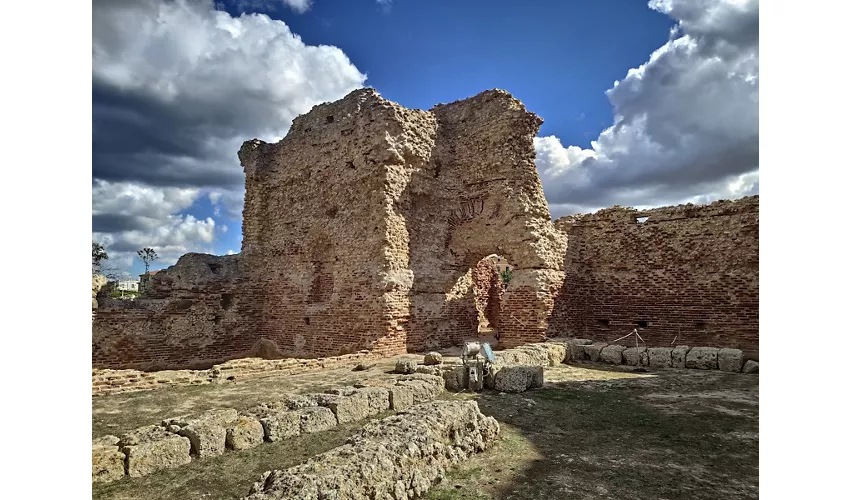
x=575 y=351
x=537 y=355
x=107 y=460
x=422 y=391
x=751 y=366
x=702 y=358
x=378 y=398
x=405 y=365
x=635 y=356
x=557 y=352
x=454 y=378
x=592 y=351
x=280 y=424
x=398 y=457
x=436 y=370
x=350 y=408
x=660 y=357
x=221 y=418
x=207 y=431
x=316 y=419
x=244 y=434
x=401 y=397
x=296 y=402
x=434 y=380
x=516 y=378
x=612 y=354
x=152 y=448
x=730 y=360
x=433 y=358
x=206 y=439
x=679 y=355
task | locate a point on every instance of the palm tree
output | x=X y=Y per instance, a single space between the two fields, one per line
x=98 y=255
x=147 y=255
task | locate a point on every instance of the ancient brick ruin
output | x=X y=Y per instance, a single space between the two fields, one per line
x=686 y=273
x=364 y=227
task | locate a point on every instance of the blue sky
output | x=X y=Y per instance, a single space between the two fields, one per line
x=178 y=86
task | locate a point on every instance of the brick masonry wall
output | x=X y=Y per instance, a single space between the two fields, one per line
x=189 y=318
x=362 y=227
x=488 y=293
x=688 y=273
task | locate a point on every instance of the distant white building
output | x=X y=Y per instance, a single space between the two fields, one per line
x=129 y=285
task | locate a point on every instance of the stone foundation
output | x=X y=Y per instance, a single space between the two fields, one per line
x=177 y=441
x=398 y=457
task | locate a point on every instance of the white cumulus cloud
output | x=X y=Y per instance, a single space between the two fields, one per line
x=685 y=122
x=177 y=86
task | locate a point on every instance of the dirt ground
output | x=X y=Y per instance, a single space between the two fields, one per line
x=119 y=413
x=592 y=431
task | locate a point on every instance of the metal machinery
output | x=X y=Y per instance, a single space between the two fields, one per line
x=477 y=357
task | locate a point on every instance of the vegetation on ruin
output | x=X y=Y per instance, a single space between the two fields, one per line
x=124 y=294
x=507 y=275
x=148 y=255
x=98 y=255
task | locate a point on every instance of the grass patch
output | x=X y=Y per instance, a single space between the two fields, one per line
x=227 y=476
x=580 y=440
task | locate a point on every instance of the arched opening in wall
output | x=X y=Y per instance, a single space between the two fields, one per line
x=490 y=276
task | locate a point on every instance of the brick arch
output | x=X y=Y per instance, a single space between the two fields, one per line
x=486 y=199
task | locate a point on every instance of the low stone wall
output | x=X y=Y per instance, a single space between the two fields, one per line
x=699 y=358
x=399 y=457
x=176 y=441
x=514 y=370
x=117 y=381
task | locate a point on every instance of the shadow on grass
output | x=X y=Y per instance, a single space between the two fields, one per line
x=646 y=438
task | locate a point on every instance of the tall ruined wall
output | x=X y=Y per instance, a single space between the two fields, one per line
x=325 y=258
x=362 y=225
x=188 y=318
x=688 y=273
x=478 y=195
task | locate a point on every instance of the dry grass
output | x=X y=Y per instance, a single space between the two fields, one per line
x=228 y=476
x=119 y=413
x=592 y=432
x=670 y=435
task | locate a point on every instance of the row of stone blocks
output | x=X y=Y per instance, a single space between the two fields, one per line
x=700 y=358
x=514 y=370
x=397 y=458
x=176 y=441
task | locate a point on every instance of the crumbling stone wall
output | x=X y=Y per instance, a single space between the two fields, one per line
x=188 y=318
x=688 y=273
x=488 y=293
x=401 y=456
x=480 y=194
x=362 y=225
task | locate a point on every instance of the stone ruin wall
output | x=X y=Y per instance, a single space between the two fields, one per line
x=689 y=273
x=188 y=318
x=488 y=293
x=335 y=230
x=363 y=195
